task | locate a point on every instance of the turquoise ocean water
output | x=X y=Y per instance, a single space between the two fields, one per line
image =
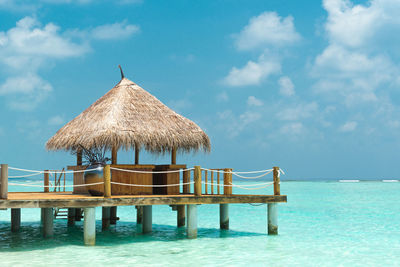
x=323 y=224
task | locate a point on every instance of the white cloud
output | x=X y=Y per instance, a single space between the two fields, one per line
x=30 y=46
x=113 y=31
x=294 y=128
x=56 y=120
x=286 y=86
x=222 y=97
x=267 y=29
x=253 y=101
x=253 y=73
x=357 y=62
x=300 y=111
x=348 y=126
x=25 y=92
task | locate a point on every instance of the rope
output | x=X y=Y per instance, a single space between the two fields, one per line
x=222 y=171
x=22 y=176
x=254 y=177
x=143 y=185
x=234 y=185
x=32 y=185
x=51 y=172
x=173 y=171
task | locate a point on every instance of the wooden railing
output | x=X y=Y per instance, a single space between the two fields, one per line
x=59 y=180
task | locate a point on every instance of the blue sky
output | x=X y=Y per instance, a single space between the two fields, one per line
x=311 y=86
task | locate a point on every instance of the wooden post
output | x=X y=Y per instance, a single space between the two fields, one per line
x=136 y=155
x=186 y=179
x=147 y=219
x=173 y=156
x=113 y=215
x=206 y=182
x=181 y=216
x=197 y=180
x=224 y=216
x=71 y=216
x=114 y=151
x=277 y=187
x=89 y=226
x=15 y=220
x=191 y=230
x=46 y=181
x=227 y=181
x=272 y=218
x=79 y=157
x=107 y=181
x=105 y=222
x=139 y=215
x=78 y=214
x=4 y=181
x=48 y=226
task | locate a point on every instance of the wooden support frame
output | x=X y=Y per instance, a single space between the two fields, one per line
x=277 y=187
x=46 y=181
x=197 y=180
x=4 y=181
x=227 y=181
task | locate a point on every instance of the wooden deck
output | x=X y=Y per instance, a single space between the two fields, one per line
x=69 y=200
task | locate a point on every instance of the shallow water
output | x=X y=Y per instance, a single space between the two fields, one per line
x=323 y=224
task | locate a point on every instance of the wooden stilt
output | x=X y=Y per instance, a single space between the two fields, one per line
x=15 y=220
x=139 y=215
x=71 y=216
x=173 y=156
x=113 y=215
x=78 y=214
x=147 y=219
x=48 y=227
x=191 y=230
x=89 y=226
x=272 y=218
x=224 y=216
x=105 y=221
x=181 y=215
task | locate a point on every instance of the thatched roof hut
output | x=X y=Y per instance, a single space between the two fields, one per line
x=130 y=117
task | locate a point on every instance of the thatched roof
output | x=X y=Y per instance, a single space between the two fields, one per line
x=127 y=117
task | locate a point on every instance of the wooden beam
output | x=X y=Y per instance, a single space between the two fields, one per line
x=227 y=182
x=4 y=181
x=15 y=220
x=186 y=179
x=136 y=155
x=197 y=180
x=181 y=216
x=80 y=201
x=277 y=187
x=114 y=153
x=107 y=181
x=173 y=156
x=46 y=181
x=79 y=157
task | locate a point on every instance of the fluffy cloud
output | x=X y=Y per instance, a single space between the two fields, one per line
x=286 y=86
x=267 y=29
x=353 y=66
x=114 y=31
x=297 y=112
x=268 y=32
x=253 y=101
x=253 y=73
x=348 y=126
x=56 y=120
x=29 y=46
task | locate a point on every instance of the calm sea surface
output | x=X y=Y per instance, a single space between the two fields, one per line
x=323 y=224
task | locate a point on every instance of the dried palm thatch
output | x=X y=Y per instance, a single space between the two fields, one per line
x=130 y=117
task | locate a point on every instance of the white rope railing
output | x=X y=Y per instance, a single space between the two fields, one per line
x=145 y=185
x=52 y=172
x=51 y=186
x=254 y=177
